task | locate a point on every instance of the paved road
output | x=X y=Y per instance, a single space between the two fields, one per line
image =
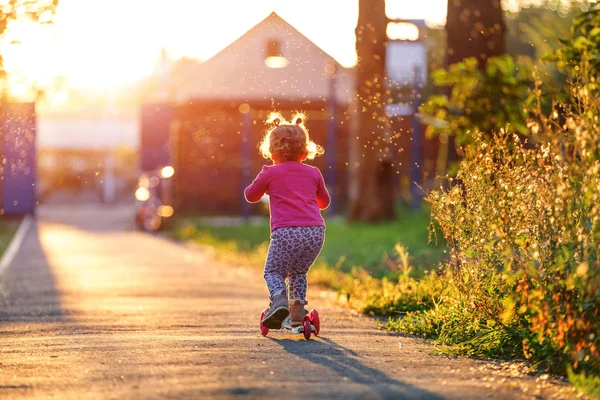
x=92 y=310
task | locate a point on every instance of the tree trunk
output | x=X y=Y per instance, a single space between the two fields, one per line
x=372 y=194
x=474 y=28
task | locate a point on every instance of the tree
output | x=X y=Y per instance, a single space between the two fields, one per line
x=474 y=28
x=372 y=194
x=40 y=11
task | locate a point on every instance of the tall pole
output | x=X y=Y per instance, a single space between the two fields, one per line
x=415 y=152
x=331 y=133
x=246 y=162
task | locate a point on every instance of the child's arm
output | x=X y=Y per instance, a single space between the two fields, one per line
x=258 y=188
x=323 y=199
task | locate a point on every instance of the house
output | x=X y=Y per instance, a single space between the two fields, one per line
x=273 y=60
x=211 y=125
x=209 y=117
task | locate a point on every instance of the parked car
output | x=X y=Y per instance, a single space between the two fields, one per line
x=154 y=199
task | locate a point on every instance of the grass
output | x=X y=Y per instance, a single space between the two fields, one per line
x=377 y=268
x=588 y=384
x=8 y=227
x=347 y=245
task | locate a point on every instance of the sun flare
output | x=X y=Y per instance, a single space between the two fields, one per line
x=107 y=44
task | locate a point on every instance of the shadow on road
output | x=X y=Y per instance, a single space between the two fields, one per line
x=347 y=364
x=28 y=290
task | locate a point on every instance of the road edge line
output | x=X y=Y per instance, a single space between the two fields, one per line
x=15 y=243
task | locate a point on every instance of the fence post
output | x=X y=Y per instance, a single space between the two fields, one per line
x=246 y=162
x=415 y=153
x=330 y=173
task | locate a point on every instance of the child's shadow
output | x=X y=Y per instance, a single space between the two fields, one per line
x=347 y=364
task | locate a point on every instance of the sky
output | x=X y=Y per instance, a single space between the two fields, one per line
x=94 y=43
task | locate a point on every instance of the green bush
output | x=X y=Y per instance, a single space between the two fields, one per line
x=479 y=100
x=524 y=230
x=523 y=226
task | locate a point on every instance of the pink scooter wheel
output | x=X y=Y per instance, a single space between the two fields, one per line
x=263 y=329
x=306 y=325
x=315 y=320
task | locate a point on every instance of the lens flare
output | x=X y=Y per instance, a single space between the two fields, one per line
x=165 y=211
x=142 y=194
x=167 y=172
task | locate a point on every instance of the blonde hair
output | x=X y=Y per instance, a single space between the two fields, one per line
x=290 y=140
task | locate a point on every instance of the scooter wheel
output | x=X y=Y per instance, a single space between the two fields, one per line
x=314 y=319
x=263 y=329
x=306 y=326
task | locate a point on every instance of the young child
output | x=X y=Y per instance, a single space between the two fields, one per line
x=296 y=193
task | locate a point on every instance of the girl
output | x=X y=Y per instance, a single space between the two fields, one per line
x=297 y=193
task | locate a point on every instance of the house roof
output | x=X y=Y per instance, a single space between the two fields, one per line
x=239 y=71
x=276 y=18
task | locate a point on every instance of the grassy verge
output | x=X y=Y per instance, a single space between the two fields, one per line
x=347 y=245
x=364 y=262
x=8 y=228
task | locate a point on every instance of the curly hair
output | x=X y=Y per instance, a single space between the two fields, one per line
x=289 y=140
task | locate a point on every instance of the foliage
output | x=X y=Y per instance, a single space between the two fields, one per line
x=524 y=233
x=536 y=29
x=579 y=57
x=533 y=30
x=523 y=227
x=588 y=384
x=35 y=10
x=480 y=100
x=40 y=11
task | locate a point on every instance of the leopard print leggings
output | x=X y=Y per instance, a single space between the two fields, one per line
x=291 y=253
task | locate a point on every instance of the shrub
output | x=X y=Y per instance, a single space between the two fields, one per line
x=523 y=226
x=479 y=100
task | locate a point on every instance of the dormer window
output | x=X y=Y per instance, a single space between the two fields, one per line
x=274 y=57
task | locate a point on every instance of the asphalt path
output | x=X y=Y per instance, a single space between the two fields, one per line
x=90 y=309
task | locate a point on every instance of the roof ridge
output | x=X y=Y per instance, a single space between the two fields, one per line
x=271 y=15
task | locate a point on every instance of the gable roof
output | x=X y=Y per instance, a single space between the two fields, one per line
x=275 y=18
x=239 y=71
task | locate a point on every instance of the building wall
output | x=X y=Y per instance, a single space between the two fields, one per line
x=216 y=156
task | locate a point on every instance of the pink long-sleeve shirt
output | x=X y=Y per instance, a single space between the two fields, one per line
x=296 y=192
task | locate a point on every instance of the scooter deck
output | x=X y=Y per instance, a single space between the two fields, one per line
x=310 y=324
x=287 y=325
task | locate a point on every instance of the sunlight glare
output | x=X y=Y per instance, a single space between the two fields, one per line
x=59 y=98
x=403 y=31
x=19 y=90
x=94 y=47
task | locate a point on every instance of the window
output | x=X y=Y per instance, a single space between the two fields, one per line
x=274 y=57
